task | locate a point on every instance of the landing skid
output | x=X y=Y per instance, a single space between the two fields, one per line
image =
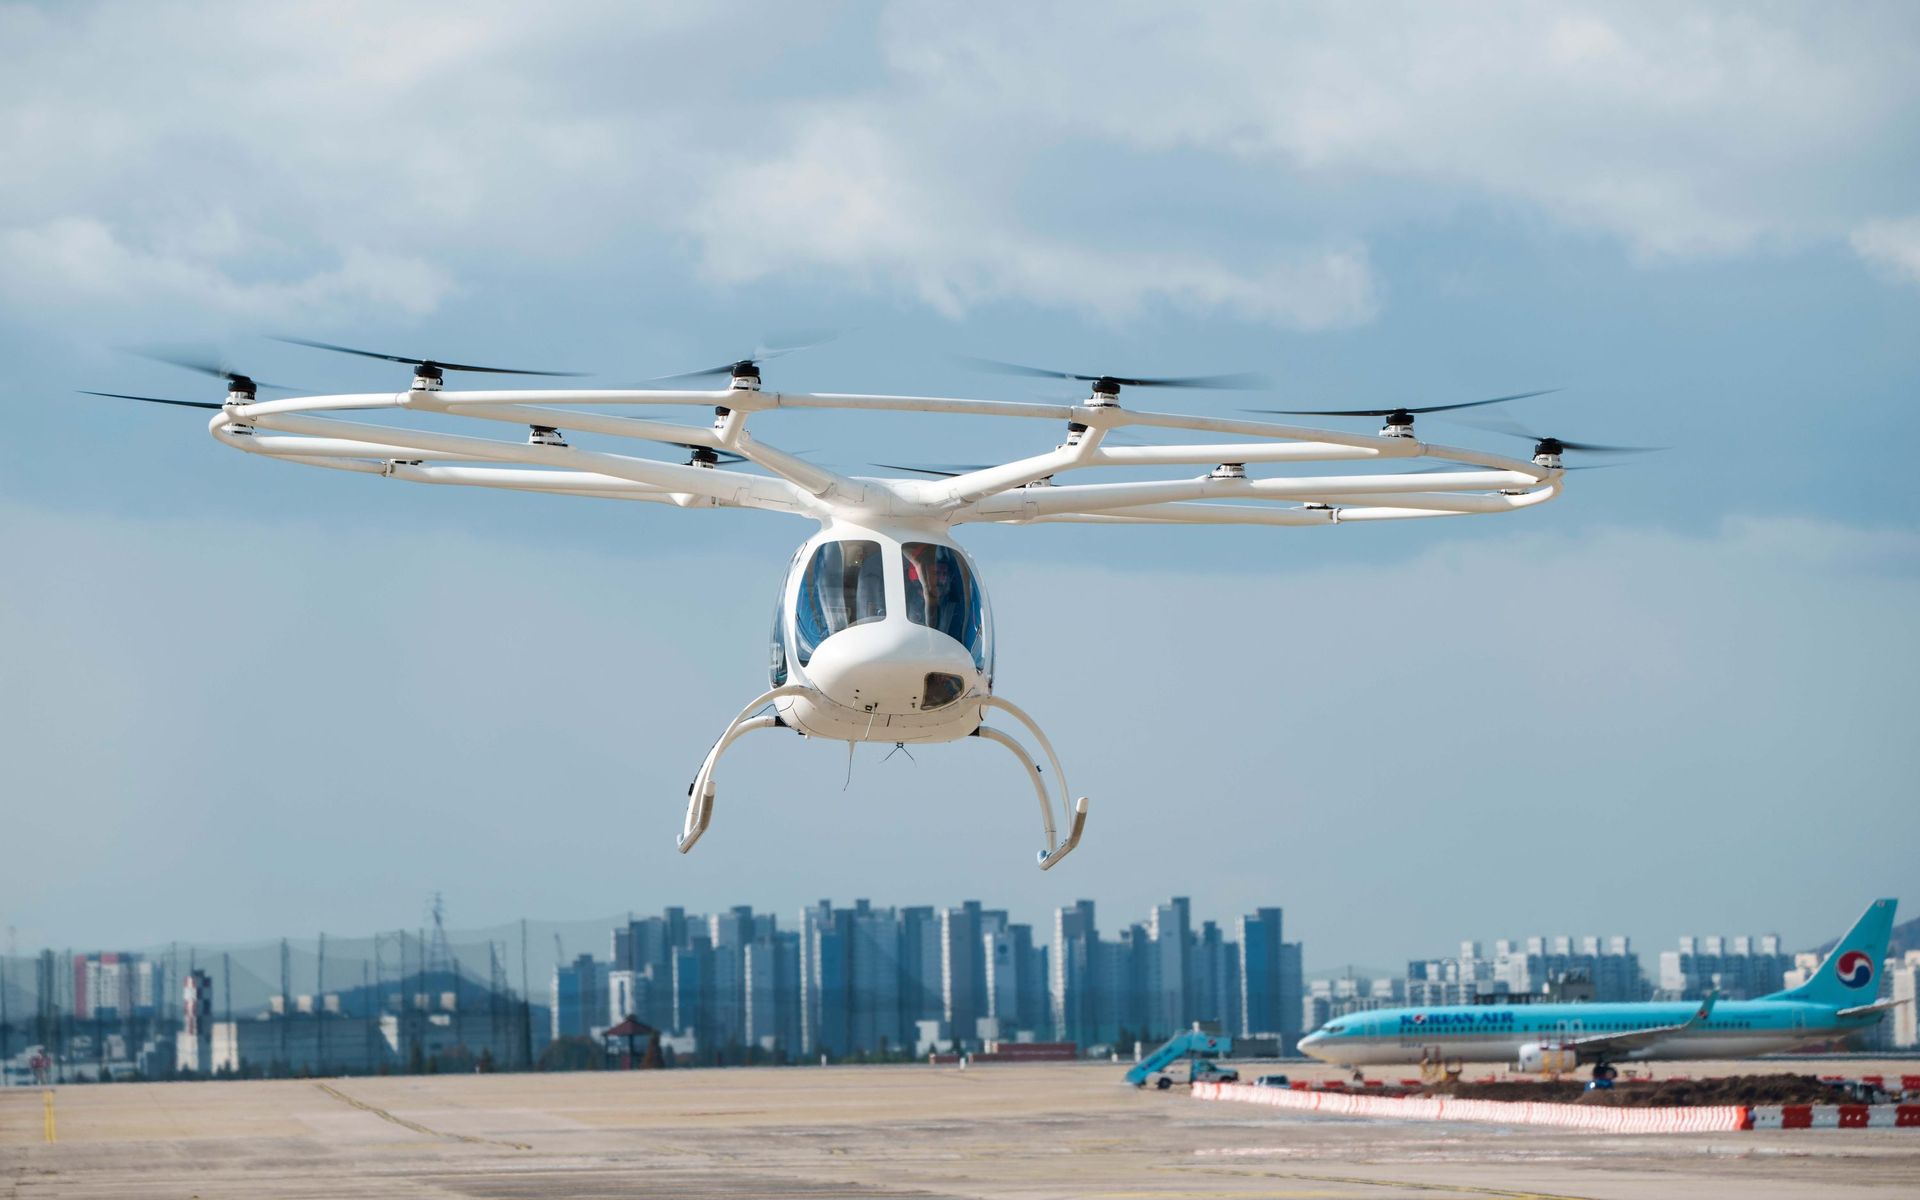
x=700 y=795
x=1076 y=815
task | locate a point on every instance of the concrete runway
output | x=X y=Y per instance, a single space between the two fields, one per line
x=1056 y=1130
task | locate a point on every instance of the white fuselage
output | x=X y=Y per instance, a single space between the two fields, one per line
x=888 y=630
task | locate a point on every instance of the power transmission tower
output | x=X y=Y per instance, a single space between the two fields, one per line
x=440 y=957
x=526 y=1003
x=286 y=1003
x=6 y=1022
x=320 y=1007
x=496 y=998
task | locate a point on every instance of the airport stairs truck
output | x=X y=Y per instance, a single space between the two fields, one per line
x=1200 y=1046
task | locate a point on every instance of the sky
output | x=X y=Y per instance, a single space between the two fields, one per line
x=240 y=699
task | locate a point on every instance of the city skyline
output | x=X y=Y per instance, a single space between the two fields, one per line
x=576 y=932
x=860 y=982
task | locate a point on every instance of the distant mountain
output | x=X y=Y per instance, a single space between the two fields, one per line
x=1906 y=936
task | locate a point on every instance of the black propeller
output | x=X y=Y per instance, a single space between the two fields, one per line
x=1401 y=415
x=244 y=384
x=426 y=368
x=707 y=456
x=1545 y=445
x=944 y=470
x=749 y=367
x=155 y=400
x=1110 y=385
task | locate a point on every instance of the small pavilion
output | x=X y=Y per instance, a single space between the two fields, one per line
x=623 y=1040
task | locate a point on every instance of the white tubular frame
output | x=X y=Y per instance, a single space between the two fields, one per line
x=313 y=431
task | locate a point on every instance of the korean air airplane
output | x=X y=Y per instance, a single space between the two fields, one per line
x=1837 y=1000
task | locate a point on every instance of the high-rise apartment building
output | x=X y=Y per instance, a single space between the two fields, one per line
x=579 y=998
x=1740 y=968
x=1168 y=999
x=963 y=971
x=1270 y=977
x=1072 y=969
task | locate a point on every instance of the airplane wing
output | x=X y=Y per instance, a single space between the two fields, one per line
x=1639 y=1039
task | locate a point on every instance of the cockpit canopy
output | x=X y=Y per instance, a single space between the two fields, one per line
x=844 y=585
x=942 y=594
x=847 y=582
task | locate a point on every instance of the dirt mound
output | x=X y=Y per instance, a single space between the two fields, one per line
x=1661 y=1093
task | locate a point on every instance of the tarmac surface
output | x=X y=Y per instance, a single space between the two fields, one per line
x=1027 y=1131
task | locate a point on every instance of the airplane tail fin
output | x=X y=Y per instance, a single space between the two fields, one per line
x=1850 y=975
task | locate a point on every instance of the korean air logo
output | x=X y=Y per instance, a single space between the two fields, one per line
x=1855 y=968
x=1419 y=1018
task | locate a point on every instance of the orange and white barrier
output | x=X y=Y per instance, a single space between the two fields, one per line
x=1596 y=1118
x=1500 y=1112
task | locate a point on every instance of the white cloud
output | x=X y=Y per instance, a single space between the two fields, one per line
x=1680 y=129
x=77 y=262
x=940 y=160
x=1894 y=245
x=848 y=195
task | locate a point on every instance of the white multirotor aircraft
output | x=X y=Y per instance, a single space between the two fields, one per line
x=883 y=632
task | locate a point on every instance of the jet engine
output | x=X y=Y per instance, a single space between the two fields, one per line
x=1543 y=1058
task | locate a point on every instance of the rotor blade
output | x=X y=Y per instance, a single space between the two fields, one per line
x=1242 y=381
x=419 y=362
x=793 y=342
x=155 y=400
x=1497 y=424
x=994 y=366
x=944 y=470
x=725 y=456
x=1595 y=448
x=765 y=350
x=705 y=372
x=217 y=370
x=1387 y=412
x=1513 y=430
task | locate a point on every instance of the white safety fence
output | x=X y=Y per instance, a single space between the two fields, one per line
x=1595 y=1118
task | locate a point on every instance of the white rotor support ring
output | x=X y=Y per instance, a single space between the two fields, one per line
x=309 y=430
x=700 y=796
x=1075 y=810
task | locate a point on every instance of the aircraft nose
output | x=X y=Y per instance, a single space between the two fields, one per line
x=891 y=668
x=1313 y=1043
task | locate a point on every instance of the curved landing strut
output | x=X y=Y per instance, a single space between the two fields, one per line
x=1076 y=813
x=700 y=794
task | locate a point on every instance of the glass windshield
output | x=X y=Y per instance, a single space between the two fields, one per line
x=942 y=594
x=844 y=585
x=777 y=654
